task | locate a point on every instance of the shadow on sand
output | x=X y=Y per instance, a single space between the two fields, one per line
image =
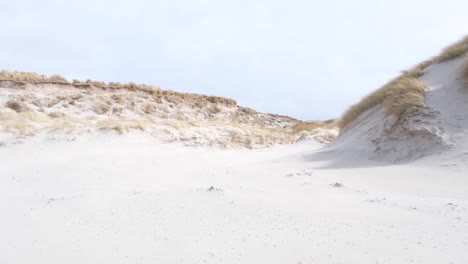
x=334 y=159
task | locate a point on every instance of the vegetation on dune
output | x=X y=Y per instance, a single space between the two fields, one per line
x=308 y=126
x=398 y=96
x=453 y=51
x=406 y=92
x=34 y=78
x=30 y=77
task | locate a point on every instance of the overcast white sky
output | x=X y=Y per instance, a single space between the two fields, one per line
x=306 y=59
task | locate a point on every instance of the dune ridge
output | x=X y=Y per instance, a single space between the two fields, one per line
x=34 y=104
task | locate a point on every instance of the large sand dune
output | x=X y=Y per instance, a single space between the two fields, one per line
x=440 y=126
x=65 y=110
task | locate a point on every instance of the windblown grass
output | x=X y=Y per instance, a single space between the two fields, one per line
x=398 y=96
x=453 y=51
x=21 y=123
x=406 y=92
x=124 y=125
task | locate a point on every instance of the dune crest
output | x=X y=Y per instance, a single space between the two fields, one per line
x=420 y=113
x=32 y=104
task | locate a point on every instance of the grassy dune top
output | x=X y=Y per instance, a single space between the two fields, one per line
x=34 y=78
x=405 y=92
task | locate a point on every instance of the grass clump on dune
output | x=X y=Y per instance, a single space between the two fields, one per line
x=30 y=77
x=123 y=125
x=57 y=79
x=399 y=95
x=406 y=92
x=453 y=51
x=308 y=126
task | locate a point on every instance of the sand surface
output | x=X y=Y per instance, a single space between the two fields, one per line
x=132 y=199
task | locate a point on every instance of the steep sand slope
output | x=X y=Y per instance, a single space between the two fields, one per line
x=129 y=199
x=440 y=126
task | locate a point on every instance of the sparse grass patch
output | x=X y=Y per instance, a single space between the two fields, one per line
x=101 y=108
x=321 y=131
x=417 y=70
x=56 y=115
x=17 y=106
x=248 y=111
x=67 y=123
x=149 y=108
x=28 y=123
x=178 y=124
x=123 y=125
x=96 y=84
x=23 y=123
x=306 y=126
x=221 y=100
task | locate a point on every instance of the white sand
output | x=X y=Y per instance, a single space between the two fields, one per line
x=130 y=199
x=92 y=197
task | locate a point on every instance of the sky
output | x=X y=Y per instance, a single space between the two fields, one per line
x=306 y=59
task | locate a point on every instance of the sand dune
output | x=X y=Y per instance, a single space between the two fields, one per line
x=68 y=111
x=440 y=126
x=102 y=173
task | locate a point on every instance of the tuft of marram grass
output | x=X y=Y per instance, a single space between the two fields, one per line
x=406 y=94
x=307 y=126
x=398 y=96
x=453 y=51
x=97 y=84
x=30 y=77
x=417 y=70
x=57 y=79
